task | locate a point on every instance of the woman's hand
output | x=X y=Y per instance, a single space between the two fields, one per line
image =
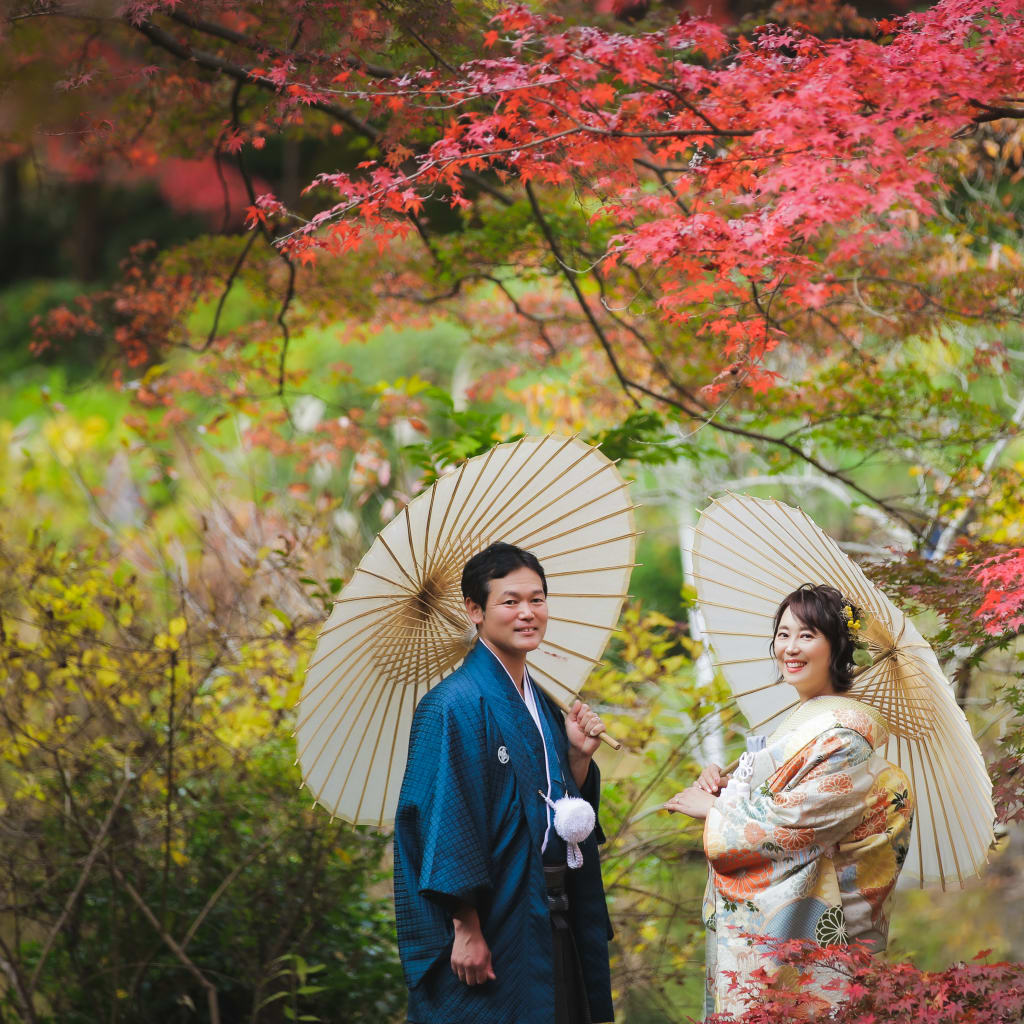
x=694 y=801
x=711 y=780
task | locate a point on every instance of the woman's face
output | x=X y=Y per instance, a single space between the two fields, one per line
x=803 y=657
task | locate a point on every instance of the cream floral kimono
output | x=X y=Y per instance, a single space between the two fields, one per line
x=813 y=852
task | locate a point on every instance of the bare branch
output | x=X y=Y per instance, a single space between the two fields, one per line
x=21 y=994
x=168 y=940
x=211 y=337
x=222 y=888
x=259 y=46
x=578 y=292
x=83 y=877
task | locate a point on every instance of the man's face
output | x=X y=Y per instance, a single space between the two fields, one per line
x=516 y=615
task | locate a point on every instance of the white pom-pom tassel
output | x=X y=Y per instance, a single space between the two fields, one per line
x=574 y=821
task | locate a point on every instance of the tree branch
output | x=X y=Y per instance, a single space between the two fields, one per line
x=21 y=996
x=994 y=113
x=87 y=867
x=257 y=45
x=211 y=62
x=211 y=337
x=220 y=890
x=168 y=940
x=578 y=292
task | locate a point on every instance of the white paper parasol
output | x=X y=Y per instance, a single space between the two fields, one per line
x=399 y=625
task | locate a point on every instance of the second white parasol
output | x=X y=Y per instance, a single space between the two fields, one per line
x=749 y=553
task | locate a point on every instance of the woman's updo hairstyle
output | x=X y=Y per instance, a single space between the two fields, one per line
x=820 y=607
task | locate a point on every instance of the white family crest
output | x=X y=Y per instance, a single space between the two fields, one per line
x=503 y=754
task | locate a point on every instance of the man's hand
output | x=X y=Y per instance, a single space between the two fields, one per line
x=693 y=801
x=583 y=728
x=471 y=957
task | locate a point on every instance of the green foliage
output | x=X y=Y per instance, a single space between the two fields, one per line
x=645 y=438
x=465 y=433
x=654 y=867
x=154 y=832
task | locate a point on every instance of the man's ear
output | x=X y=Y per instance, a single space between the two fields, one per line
x=474 y=611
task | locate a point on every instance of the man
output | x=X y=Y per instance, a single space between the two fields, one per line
x=492 y=927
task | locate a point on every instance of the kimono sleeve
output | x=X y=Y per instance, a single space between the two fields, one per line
x=812 y=800
x=442 y=822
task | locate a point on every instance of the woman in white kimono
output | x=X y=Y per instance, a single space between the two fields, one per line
x=813 y=850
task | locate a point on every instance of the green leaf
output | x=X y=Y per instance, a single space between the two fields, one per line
x=273 y=998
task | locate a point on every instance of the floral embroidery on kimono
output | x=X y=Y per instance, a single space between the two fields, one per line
x=812 y=853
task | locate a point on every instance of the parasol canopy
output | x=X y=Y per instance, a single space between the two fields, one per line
x=399 y=626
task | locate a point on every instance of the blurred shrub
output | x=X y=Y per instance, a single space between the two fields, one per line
x=157 y=860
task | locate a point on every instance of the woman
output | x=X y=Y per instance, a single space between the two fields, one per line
x=811 y=847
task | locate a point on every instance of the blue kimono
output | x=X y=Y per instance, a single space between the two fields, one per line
x=469 y=829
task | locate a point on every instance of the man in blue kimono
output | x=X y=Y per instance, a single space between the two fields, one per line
x=492 y=926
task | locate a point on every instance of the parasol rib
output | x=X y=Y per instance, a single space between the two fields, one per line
x=955 y=778
x=498 y=481
x=603 y=736
x=439 y=545
x=466 y=502
x=397 y=584
x=935 y=831
x=728 y=586
x=586 y=547
x=565 y=650
x=361 y=654
x=381 y=613
x=785 y=585
x=397 y=561
x=761 y=613
x=578 y=622
x=490 y=528
x=524 y=539
x=412 y=546
x=365 y=630
x=825 y=570
x=560 y=497
x=771 y=718
x=580 y=572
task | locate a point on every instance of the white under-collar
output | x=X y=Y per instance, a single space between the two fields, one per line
x=530 y=700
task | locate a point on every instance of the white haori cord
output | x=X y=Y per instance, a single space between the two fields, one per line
x=574 y=818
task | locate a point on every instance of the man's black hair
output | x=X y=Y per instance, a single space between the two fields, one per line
x=495 y=562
